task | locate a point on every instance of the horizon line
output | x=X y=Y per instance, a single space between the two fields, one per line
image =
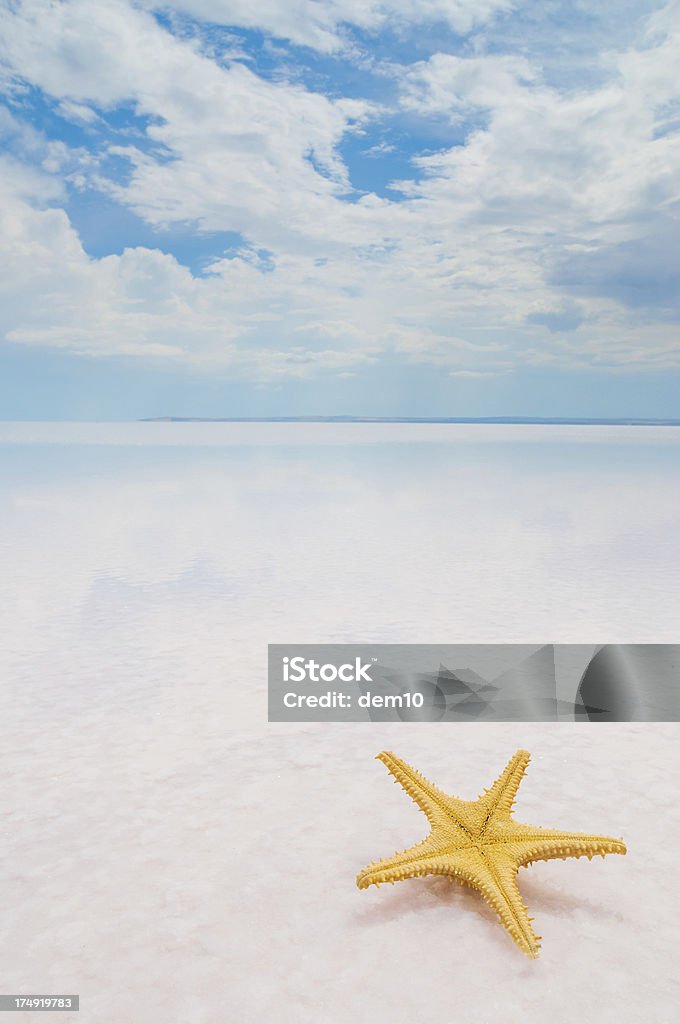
x=576 y=420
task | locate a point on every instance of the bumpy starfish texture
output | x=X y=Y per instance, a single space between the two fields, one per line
x=479 y=844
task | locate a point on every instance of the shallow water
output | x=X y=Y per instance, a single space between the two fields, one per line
x=146 y=536
x=160 y=838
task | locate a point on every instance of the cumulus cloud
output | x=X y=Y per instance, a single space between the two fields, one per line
x=223 y=145
x=143 y=303
x=542 y=213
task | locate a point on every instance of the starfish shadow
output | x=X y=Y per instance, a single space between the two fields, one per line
x=415 y=895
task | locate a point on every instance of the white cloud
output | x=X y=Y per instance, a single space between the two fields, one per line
x=572 y=160
x=476 y=270
x=143 y=303
x=237 y=141
x=320 y=25
x=453 y=86
x=78 y=112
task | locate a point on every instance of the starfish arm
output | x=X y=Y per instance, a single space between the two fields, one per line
x=426 y=858
x=528 y=844
x=431 y=800
x=495 y=878
x=500 y=798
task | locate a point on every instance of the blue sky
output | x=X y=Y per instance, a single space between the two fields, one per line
x=388 y=207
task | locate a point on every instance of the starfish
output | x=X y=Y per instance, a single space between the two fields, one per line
x=478 y=843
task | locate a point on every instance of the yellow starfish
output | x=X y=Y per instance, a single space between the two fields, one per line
x=478 y=843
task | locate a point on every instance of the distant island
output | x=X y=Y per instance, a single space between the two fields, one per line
x=576 y=421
